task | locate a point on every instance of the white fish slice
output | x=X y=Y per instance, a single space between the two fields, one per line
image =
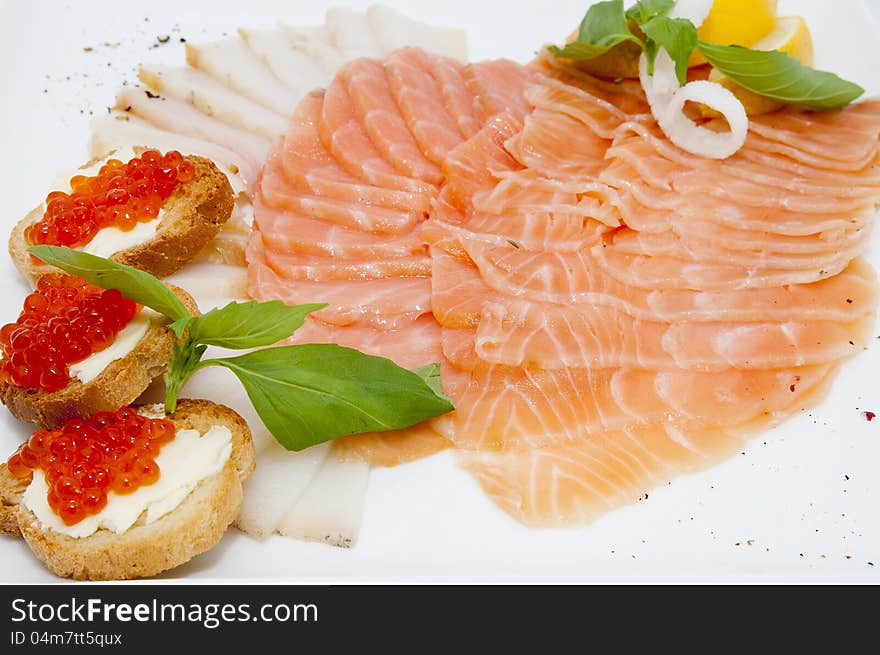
x=209 y=282
x=213 y=98
x=182 y=118
x=350 y=33
x=314 y=42
x=332 y=507
x=277 y=484
x=219 y=382
x=394 y=30
x=230 y=62
x=120 y=129
x=299 y=34
x=242 y=216
x=230 y=245
x=295 y=69
x=228 y=249
x=281 y=476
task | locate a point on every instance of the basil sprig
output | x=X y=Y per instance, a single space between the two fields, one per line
x=304 y=394
x=769 y=73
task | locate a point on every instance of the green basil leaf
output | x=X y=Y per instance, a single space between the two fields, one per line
x=577 y=51
x=677 y=36
x=252 y=324
x=308 y=394
x=141 y=287
x=774 y=74
x=650 y=54
x=179 y=326
x=184 y=362
x=603 y=27
x=430 y=373
x=644 y=10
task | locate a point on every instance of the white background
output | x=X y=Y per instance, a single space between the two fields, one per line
x=784 y=510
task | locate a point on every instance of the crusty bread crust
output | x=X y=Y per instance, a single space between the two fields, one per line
x=194 y=214
x=11 y=490
x=194 y=527
x=116 y=386
x=30 y=269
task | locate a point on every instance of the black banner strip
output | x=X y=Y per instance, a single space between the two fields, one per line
x=128 y=617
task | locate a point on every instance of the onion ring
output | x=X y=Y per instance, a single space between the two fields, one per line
x=667 y=100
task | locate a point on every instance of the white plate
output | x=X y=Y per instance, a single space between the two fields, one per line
x=783 y=510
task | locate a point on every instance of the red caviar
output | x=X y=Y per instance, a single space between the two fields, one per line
x=120 y=195
x=88 y=458
x=63 y=322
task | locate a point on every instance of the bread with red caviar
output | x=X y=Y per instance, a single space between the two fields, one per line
x=117 y=385
x=193 y=215
x=144 y=550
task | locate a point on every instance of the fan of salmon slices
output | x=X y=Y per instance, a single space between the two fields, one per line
x=231 y=101
x=611 y=311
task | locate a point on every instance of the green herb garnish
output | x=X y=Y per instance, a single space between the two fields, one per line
x=776 y=75
x=772 y=73
x=305 y=394
x=603 y=27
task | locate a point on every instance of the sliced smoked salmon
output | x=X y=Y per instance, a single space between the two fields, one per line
x=376 y=109
x=609 y=311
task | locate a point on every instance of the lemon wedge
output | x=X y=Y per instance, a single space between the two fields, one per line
x=740 y=22
x=735 y=22
x=791 y=36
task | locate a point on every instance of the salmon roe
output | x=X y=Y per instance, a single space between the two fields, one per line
x=64 y=321
x=88 y=458
x=120 y=195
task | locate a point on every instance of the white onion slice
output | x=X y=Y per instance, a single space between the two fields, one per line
x=667 y=100
x=662 y=85
x=686 y=134
x=693 y=10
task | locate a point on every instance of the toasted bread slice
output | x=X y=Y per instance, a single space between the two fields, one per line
x=193 y=527
x=193 y=216
x=11 y=490
x=116 y=386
